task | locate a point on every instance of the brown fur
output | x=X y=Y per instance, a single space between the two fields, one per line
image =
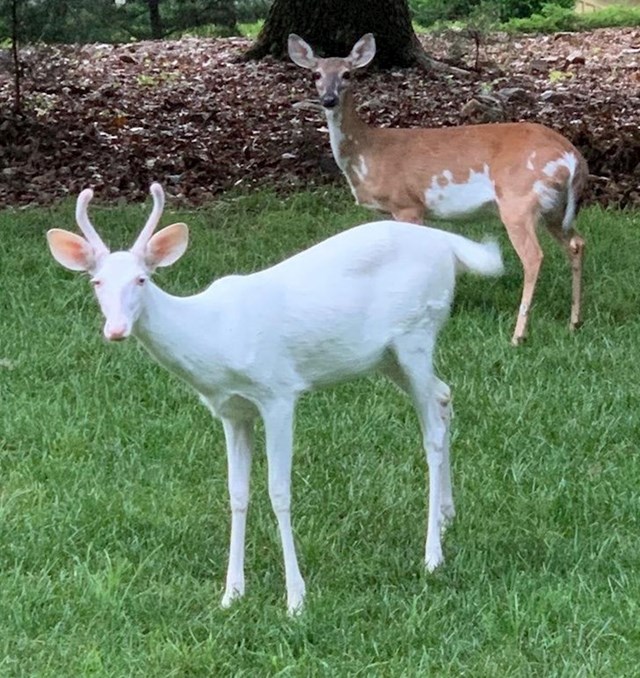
x=401 y=164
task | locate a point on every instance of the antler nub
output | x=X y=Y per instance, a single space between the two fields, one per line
x=158 y=205
x=82 y=219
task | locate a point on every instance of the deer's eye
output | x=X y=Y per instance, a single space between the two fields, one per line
x=141 y=279
x=316 y=76
x=346 y=75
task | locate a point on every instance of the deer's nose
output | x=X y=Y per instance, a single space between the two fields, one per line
x=329 y=101
x=116 y=332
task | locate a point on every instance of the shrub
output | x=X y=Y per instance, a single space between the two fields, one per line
x=611 y=16
x=251 y=11
x=429 y=12
x=552 y=19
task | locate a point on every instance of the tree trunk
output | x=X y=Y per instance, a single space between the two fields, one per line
x=154 y=19
x=15 y=55
x=227 y=16
x=332 y=27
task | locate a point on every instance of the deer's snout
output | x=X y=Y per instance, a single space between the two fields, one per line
x=329 y=100
x=116 y=331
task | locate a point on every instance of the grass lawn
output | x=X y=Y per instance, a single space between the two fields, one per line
x=113 y=505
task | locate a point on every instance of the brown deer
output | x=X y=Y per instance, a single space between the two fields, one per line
x=526 y=171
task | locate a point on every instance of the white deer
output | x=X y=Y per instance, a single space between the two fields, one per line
x=370 y=298
x=526 y=171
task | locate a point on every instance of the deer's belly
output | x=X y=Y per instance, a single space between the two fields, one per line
x=446 y=198
x=230 y=405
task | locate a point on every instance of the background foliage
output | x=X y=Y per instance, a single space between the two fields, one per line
x=84 y=21
x=103 y=21
x=427 y=12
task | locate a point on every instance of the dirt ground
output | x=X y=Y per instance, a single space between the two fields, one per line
x=194 y=116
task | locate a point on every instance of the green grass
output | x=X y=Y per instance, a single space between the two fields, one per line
x=251 y=30
x=113 y=506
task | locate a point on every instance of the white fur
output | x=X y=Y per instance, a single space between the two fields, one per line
x=361 y=170
x=547 y=195
x=370 y=298
x=550 y=196
x=449 y=199
x=336 y=137
x=567 y=160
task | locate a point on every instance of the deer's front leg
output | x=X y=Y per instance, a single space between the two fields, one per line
x=278 y=422
x=410 y=215
x=447 y=508
x=239 y=439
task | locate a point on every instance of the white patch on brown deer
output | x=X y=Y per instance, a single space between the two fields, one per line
x=567 y=160
x=360 y=169
x=548 y=195
x=446 y=198
x=336 y=138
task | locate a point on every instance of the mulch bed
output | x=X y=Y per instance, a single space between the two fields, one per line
x=194 y=116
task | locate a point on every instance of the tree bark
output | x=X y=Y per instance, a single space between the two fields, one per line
x=227 y=16
x=15 y=56
x=155 y=19
x=332 y=27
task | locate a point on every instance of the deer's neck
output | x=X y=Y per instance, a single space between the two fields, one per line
x=179 y=333
x=347 y=132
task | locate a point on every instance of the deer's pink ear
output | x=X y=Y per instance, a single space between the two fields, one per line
x=70 y=250
x=363 y=51
x=167 y=246
x=300 y=52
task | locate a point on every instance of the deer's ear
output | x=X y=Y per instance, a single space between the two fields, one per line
x=70 y=250
x=167 y=246
x=300 y=53
x=363 y=51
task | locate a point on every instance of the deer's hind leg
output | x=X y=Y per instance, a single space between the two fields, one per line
x=520 y=223
x=412 y=371
x=394 y=372
x=573 y=244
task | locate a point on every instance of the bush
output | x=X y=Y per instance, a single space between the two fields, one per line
x=552 y=19
x=611 y=16
x=429 y=12
x=251 y=11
